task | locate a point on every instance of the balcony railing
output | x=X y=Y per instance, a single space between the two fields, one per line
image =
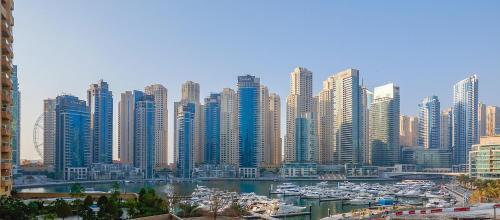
x=6 y=64
x=6 y=131
x=6 y=97
x=6 y=80
x=6 y=30
x=6 y=47
x=6 y=165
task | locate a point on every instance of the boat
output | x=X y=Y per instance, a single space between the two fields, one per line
x=386 y=200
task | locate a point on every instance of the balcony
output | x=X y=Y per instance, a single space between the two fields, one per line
x=6 y=9
x=6 y=31
x=6 y=132
x=6 y=63
x=6 y=80
x=6 y=115
x=5 y=181
x=6 y=97
x=6 y=166
x=6 y=47
x=6 y=149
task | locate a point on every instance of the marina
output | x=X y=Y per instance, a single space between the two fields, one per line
x=294 y=199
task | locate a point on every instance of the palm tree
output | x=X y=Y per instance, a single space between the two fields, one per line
x=188 y=210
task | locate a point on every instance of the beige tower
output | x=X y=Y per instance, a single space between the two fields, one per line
x=229 y=149
x=6 y=70
x=275 y=124
x=492 y=121
x=339 y=119
x=126 y=107
x=191 y=93
x=299 y=101
x=160 y=94
x=408 y=131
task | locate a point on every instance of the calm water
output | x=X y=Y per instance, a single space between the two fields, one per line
x=319 y=210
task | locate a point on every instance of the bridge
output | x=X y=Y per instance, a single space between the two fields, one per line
x=422 y=174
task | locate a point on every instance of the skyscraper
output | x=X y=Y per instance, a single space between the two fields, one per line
x=408 y=131
x=492 y=121
x=265 y=129
x=212 y=114
x=100 y=101
x=429 y=123
x=464 y=120
x=306 y=138
x=446 y=129
x=275 y=125
x=185 y=128
x=160 y=95
x=481 y=119
x=191 y=94
x=16 y=119
x=6 y=100
x=73 y=138
x=49 y=132
x=126 y=108
x=229 y=127
x=366 y=99
x=248 y=127
x=144 y=135
x=298 y=101
x=384 y=126
x=340 y=118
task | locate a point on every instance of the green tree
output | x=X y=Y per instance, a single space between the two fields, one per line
x=188 y=210
x=62 y=208
x=11 y=208
x=76 y=190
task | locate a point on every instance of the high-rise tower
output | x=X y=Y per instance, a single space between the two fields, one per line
x=144 y=133
x=248 y=125
x=160 y=96
x=100 y=101
x=6 y=39
x=384 y=126
x=229 y=149
x=464 y=120
x=16 y=119
x=126 y=108
x=429 y=125
x=212 y=114
x=339 y=118
x=49 y=132
x=73 y=146
x=298 y=101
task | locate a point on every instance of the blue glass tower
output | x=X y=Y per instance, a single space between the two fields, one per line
x=248 y=115
x=185 y=137
x=16 y=119
x=100 y=101
x=72 y=135
x=144 y=135
x=212 y=129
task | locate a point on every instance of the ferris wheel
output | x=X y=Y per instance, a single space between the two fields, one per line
x=38 y=135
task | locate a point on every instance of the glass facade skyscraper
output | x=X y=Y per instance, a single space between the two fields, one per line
x=384 y=126
x=100 y=101
x=248 y=119
x=16 y=119
x=306 y=138
x=72 y=137
x=144 y=136
x=429 y=126
x=211 y=111
x=464 y=120
x=185 y=140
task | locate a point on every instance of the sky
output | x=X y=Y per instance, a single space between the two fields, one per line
x=424 y=47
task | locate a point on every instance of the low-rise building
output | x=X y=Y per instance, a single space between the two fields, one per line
x=299 y=170
x=360 y=171
x=114 y=172
x=484 y=158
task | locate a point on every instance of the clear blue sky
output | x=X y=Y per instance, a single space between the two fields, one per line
x=422 y=46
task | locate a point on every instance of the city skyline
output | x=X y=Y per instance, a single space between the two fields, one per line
x=411 y=76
